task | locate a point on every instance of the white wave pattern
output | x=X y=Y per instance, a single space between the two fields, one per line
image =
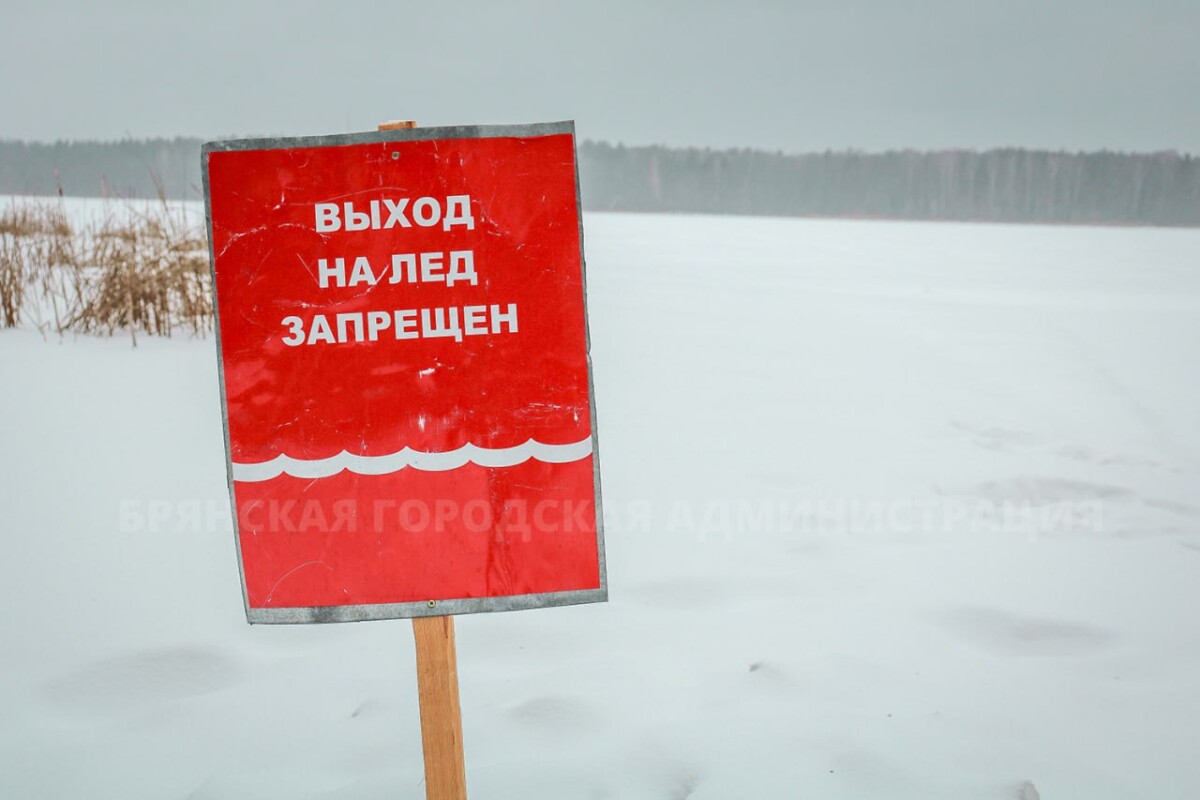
x=415 y=459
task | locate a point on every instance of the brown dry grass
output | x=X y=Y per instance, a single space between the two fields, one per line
x=13 y=277
x=141 y=271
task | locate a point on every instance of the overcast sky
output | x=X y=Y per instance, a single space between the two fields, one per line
x=792 y=76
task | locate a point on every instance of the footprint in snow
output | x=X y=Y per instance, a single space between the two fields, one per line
x=1040 y=492
x=555 y=715
x=136 y=681
x=1020 y=635
x=1028 y=792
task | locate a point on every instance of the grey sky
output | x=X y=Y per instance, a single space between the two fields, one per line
x=870 y=74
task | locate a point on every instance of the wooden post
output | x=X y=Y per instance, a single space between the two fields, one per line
x=441 y=717
x=437 y=684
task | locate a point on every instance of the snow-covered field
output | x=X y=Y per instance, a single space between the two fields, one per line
x=893 y=511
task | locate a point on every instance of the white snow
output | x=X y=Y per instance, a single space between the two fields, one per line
x=894 y=510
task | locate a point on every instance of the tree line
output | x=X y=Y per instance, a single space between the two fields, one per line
x=1007 y=185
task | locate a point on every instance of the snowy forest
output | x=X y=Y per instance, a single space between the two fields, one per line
x=1006 y=185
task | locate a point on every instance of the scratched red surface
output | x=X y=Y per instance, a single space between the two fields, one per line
x=343 y=539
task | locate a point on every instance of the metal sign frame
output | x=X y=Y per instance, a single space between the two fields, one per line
x=440 y=607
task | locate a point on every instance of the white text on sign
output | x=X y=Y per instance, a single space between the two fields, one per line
x=446 y=267
x=457 y=266
x=410 y=323
x=383 y=214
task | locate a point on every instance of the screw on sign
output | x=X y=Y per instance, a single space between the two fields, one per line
x=406 y=384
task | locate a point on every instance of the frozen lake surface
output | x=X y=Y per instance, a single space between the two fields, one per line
x=894 y=510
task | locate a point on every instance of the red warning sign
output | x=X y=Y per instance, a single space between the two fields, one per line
x=405 y=372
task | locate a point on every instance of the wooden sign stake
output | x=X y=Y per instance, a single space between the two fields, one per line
x=441 y=716
x=437 y=684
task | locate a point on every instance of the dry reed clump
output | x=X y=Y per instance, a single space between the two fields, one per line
x=37 y=255
x=151 y=274
x=134 y=269
x=13 y=277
